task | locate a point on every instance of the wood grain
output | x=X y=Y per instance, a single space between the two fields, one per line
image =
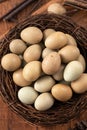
x=8 y=119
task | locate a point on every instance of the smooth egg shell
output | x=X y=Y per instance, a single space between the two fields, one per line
x=80 y=85
x=48 y=32
x=19 y=79
x=69 y=53
x=73 y=71
x=31 y=35
x=27 y=95
x=44 y=102
x=32 y=71
x=56 y=40
x=32 y=53
x=62 y=92
x=71 y=40
x=44 y=84
x=10 y=62
x=51 y=63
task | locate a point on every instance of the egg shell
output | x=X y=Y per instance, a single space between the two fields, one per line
x=69 y=53
x=73 y=71
x=19 y=79
x=56 y=40
x=10 y=62
x=81 y=59
x=51 y=63
x=80 y=85
x=62 y=92
x=59 y=74
x=44 y=84
x=32 y=53
x=46 y=51
x=44 y=102
x=27 y=95
x=56 y=8
x=31 y=35
x=71 y=40
x=48 y=32
x=17 y=46
x=32 y=71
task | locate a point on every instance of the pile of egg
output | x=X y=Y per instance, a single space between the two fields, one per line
x=47 y=66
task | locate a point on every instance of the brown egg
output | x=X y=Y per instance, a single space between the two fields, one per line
x=51 y=63
x=69 y=53
x=59 y=74
x=80 y=85
x=48 y=32
x=56 y=40
x=32 y=53
x=31 y=35
x=71 y=40
x=10 y=62
x=17 y=46
x=56 y=8
x=62 y=92
x=81 y=59
x=46 y=52
x=32 y=71
x=19 y=79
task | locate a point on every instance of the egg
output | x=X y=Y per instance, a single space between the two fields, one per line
x=32 y=71
x=81 y=59
x=69 y=53
x=44 y=102
x=46 y=51
x=72 y=71
x=47 y=32
x=80 y=85
x=19 y=79
x=62 y=92
x=59 y=74
x=56 y=8
x=56 y=40
x=10 y=62
x=44 y=84
x=51 y=63
x=31 y=35
x=71 y=40
x=27 y=95
x=17 y=46
x=32 y=53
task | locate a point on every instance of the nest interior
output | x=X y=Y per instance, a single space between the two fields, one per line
x=61 y=112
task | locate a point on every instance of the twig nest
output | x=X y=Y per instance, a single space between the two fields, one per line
x=56 y=8
x=31 y=35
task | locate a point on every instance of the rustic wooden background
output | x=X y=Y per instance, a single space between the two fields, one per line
x=8 y=119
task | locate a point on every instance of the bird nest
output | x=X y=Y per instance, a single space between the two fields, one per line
x=60 y=112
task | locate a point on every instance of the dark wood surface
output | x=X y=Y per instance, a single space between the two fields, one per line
x=8 y=119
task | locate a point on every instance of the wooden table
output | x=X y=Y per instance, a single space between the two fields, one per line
x=9 y=120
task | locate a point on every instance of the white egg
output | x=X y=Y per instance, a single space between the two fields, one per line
x=73 y=71
x=27 y=95
x=44 y=101
x=44 y=84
